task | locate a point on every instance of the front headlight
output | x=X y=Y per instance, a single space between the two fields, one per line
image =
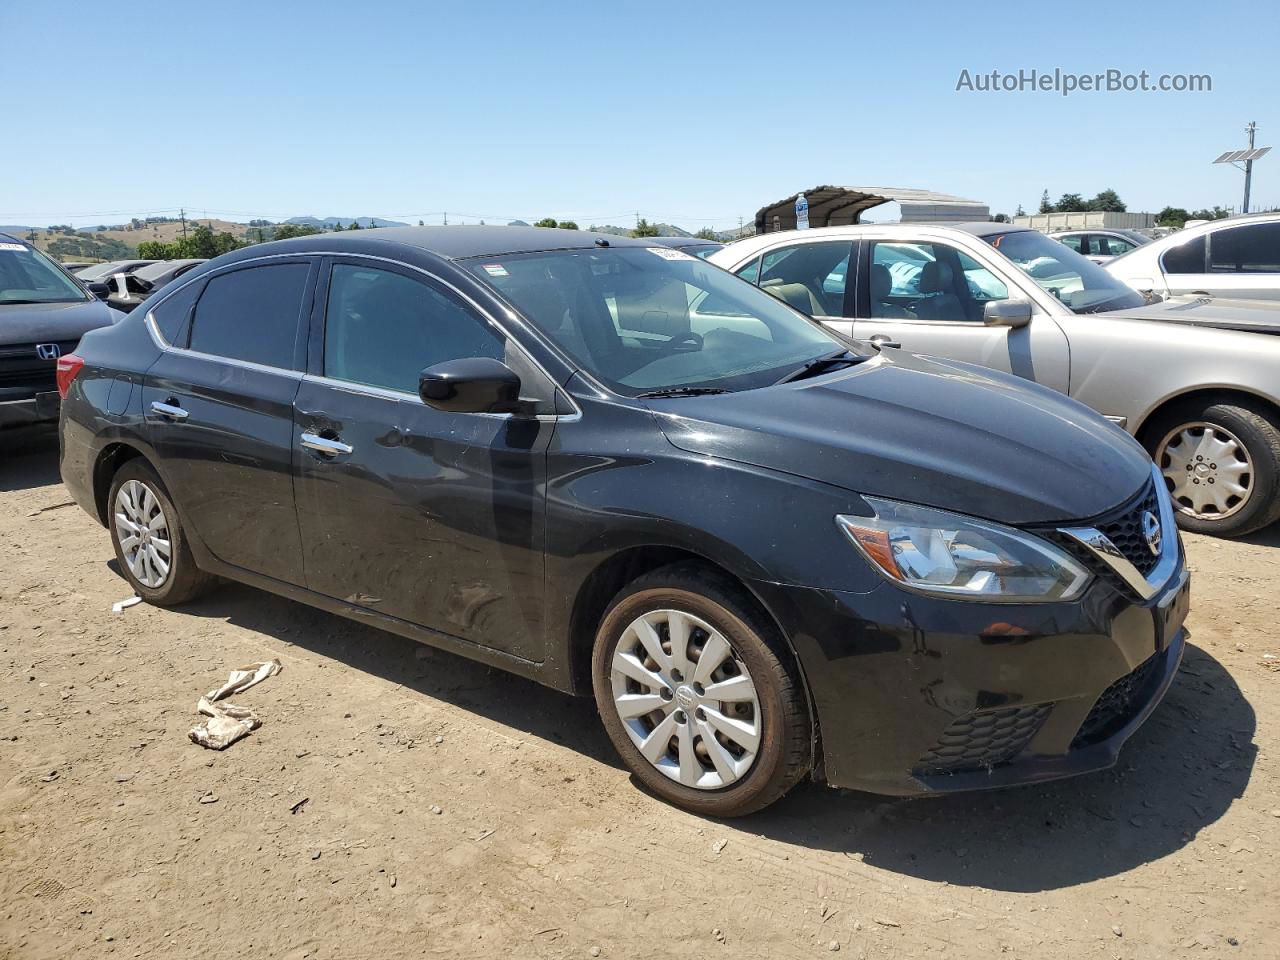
x=939 y=552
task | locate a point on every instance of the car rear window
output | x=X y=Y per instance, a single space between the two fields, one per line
x=252 y=314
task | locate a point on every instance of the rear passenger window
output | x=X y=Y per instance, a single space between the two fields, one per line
x=1254 y=248
x=383 y=329
x=252 y=314
x=171 y=315
x=1074 y=242
x=1188 y=258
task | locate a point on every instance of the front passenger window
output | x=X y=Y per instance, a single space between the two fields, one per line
x=383 y=328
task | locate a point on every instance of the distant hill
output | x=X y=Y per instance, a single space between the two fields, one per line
x=328 y=223
x=14 y=229
x=664 y=230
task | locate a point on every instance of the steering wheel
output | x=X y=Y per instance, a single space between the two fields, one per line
x=690 y=337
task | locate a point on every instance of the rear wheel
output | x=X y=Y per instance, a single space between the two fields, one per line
x=696 y=691
x=1221 y=463
x=147 y=534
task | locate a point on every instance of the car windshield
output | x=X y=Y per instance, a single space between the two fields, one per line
x=28 y=276
x=1078 y=282
x=647 y=319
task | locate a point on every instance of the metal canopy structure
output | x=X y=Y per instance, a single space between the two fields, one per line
x=832 y=206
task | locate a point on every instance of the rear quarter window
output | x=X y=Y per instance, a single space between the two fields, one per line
x=1187 y=258
x=171 y=314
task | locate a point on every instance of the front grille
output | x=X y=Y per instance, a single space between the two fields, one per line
x=22 y=370
x=1124 y=529
x=982 y=740
x=1119 y=703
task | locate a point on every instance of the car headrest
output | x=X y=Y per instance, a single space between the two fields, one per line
x=881 y=281
x=936 y=277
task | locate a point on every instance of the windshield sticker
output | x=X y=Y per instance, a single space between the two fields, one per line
x=666 y=253
x=495 y=270
x=12 y=246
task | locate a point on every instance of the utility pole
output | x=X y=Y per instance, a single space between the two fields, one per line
x=1246 y=157
x=1248 y=167
x=446 y=218
x=183 y=214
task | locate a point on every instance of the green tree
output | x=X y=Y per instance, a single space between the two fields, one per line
x=1000 y=218
x=567 y=225
x=155 y=250
x=706 y=233
x=1045 y=205
x=338 y=227
x=421 y=224
x=287 y=231
x=644 y=229
x=1172 y=217
x=353 y=225
x=1019 y=212
x=1107 y=200
x=1070 y=203
x=546 y=222
x=1217 y=213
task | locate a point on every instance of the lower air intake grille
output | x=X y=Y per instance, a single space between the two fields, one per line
x=1118 y=704
x=983 y=740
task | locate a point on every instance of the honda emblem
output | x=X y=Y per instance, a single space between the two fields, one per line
x=48 y=351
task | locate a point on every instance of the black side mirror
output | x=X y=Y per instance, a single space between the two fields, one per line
x=470 y=385
x=99 y=289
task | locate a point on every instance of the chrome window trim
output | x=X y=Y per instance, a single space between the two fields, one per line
x=1101 y=547
x=369 y=390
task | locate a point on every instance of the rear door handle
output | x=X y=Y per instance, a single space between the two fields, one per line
x=313 y=441
x=170 y=410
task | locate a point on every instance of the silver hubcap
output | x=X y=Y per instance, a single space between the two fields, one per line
x=686 y=699
x=1208 y=470
x=143 y=533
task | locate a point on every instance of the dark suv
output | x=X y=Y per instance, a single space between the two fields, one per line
x=614 y=468
x=43 y=312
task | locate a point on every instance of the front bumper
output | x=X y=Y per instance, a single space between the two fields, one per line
x=915 y=694
x=41 y=408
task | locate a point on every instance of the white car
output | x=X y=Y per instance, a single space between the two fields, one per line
x=1101 y=246
x=1236 y=257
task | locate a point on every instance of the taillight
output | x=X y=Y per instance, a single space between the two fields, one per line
x=68 y=367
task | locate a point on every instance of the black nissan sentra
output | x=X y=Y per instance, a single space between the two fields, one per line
x=609 y=466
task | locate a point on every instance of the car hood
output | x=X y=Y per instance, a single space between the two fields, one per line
x=1256 y=316
x=53 y=322
x=926 y=431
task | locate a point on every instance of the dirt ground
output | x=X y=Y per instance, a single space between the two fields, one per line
x=401 y=802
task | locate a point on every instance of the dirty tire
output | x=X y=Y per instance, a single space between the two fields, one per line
x=185 y=580
x=785 y=751
x=1259 y=432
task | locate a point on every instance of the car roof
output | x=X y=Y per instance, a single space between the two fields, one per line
x=5 y=238
x=451 y=243
x=684 y=241
x=161 y=267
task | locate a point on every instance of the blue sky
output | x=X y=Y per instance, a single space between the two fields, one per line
x=692 y=113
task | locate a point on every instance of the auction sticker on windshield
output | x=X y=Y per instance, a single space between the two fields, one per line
x=12 y=246
x=666 y=253
x=496 y=270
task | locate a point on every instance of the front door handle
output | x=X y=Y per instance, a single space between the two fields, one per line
x=169 y=410
x=881 y=340
x=313 y=441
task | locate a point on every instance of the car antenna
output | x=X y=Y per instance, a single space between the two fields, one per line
x=601 y=242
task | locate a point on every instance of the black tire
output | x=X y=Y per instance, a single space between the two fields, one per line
x=1259 y=433
x=184 y=580
x=785 y=747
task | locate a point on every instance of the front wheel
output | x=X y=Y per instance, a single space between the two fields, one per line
x=698 y=695
x=1221 y=463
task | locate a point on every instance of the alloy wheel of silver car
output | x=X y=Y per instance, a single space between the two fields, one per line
x=686 y=699
x=143 y=533
x=1208 y=468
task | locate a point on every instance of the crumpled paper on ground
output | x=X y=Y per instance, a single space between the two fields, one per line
x=227 y=723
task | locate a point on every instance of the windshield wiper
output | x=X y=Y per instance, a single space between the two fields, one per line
x=684 y=392
x=822 y=364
